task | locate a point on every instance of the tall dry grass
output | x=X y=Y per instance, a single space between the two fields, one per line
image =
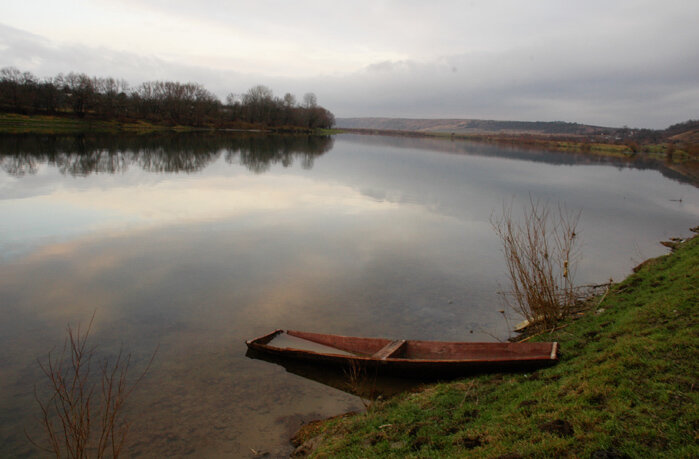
x=361 y=381
x=541 y=252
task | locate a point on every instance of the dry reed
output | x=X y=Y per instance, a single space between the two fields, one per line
x=83 y=414
x=541 y=254
x=361 y=383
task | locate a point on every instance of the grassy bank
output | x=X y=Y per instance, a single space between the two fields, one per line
x=11 y=123
x=626 y=386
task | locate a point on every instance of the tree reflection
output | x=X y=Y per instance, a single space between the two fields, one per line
x=258 y=154
x=83 y=155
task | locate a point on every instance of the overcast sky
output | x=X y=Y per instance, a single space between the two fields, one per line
x=605 y=62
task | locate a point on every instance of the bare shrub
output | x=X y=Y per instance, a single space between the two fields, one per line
x=542 y=255
x=83 y=413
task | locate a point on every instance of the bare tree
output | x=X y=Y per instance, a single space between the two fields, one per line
x=310 y=100
x=11 y=89
x=81 y=91
x=166 y=102
x=289 y=100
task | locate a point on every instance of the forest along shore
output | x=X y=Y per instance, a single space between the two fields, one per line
x=78 y=101
x=625 y=386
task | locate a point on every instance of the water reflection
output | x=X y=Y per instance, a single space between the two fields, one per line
x=165 y=153
x=364 y=383
x=683 y=172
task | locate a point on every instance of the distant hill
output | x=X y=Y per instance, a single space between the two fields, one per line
x=472 y=126
x=684 y=132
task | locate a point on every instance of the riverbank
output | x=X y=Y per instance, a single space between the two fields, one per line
x=676 y=151
x=11 y=123
x=680 y=157
x=625 y=386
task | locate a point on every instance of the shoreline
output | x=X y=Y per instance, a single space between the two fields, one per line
x=681 y=161
x=661 y=155
x=548 y=142
x=603 y=397
x=13 y=123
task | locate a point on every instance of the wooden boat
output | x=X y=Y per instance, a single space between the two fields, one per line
x=405 y=357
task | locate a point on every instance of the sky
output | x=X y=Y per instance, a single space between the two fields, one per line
x=609 y=63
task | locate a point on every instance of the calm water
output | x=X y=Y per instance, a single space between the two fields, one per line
x=196 y=243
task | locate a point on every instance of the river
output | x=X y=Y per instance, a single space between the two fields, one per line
x=190 y=244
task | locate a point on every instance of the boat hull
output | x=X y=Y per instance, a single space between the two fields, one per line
x=415 y=359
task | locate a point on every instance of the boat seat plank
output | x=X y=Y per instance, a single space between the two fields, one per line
x=389 y=349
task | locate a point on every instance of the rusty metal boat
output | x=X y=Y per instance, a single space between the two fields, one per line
x=410 y=358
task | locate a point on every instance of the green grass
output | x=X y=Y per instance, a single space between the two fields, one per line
x=626 y=384
x=329 y=131
x=11 y=123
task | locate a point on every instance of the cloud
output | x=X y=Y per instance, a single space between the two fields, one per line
x=605 y=63
x=529 y=84
x=37 y=54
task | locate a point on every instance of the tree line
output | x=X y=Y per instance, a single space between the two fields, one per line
x=162 y=102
